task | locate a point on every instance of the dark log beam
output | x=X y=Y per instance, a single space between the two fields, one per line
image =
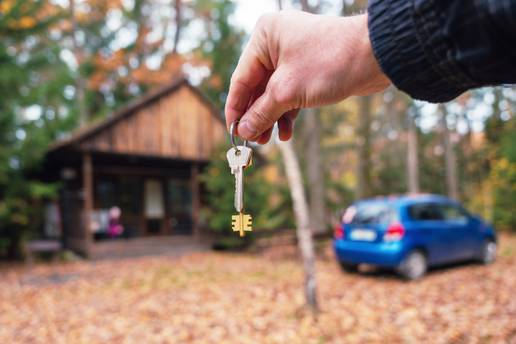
x=87 y=180
x=196 y=200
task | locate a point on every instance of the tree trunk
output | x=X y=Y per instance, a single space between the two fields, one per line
x=179 y=24
x=449 y=157
x=305 y=6
x=304 y=234
x=315 y=171
x=352 y=7
x=412 y=156
x=364 y=147
x=80 y=84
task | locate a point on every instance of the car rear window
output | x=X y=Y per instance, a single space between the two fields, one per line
x=370 y=213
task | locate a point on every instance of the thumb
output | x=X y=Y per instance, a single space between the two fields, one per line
x=263 y=112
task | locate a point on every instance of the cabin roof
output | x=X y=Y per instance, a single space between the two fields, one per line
x=82 y=134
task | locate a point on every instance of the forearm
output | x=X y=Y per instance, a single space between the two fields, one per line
x=435 y=50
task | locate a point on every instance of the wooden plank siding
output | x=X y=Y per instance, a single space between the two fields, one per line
x=177 y=125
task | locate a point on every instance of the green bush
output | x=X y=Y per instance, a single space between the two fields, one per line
x=21 y=214
x=503 y=177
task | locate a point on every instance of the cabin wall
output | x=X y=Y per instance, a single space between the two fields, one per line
x=178 y=125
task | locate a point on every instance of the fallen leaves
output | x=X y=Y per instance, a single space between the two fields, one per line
x=235 y=298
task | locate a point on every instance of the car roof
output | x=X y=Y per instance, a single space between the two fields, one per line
x=404 y=200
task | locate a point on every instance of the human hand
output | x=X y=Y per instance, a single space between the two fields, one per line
x=296 y=60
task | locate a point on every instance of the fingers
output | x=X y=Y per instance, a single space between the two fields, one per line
x=286 y=125
x=265 y=137
x=248 y=79
x=285 y=128
x=261 y=115
x=241 y=92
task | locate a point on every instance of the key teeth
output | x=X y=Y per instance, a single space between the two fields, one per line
x=248 y=222
x=241 y=223
x=235 y=219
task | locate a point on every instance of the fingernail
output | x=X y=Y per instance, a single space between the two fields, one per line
x=246 y=130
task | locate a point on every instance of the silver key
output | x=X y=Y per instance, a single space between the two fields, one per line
x=239 y=158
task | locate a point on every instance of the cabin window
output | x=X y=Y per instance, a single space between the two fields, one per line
x=130 y=195
x=106 y=193
x=154 y=207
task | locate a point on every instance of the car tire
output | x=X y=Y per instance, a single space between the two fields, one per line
x=413 y=266
x=347 y=267
x=488 y=252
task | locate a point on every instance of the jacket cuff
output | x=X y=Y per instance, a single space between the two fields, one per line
x=413 y=51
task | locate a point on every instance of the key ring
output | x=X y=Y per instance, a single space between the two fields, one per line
x=232 y=128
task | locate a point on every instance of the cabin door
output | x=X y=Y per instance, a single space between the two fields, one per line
x=179 y=205
x=154 y=206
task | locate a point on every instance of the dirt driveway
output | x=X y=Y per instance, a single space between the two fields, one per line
x=243 y=298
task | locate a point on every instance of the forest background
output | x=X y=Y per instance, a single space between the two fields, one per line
x=64 y=64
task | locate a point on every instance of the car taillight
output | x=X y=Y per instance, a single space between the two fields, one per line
x=395 y=232
x=338 y=233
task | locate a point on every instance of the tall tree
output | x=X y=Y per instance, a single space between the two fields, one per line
x=450 y=158
x=303 y=232
x=178 y=9
x=31 y=76
x=412 y=153
x=314 y=165
x=364 y=166
x=221 y=47
x=80 y=82
x=364 y=147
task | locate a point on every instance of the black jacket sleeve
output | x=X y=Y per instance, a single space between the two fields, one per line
x=435 y=50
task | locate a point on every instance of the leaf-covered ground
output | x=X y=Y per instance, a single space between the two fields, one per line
x=244 y=298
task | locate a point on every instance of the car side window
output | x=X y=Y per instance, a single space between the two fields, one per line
x=425 y=212
x=454 y=213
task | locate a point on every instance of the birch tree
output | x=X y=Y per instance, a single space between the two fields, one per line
x=303 y=231
x=302 y=219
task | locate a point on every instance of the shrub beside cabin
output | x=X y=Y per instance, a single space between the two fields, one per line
x=144 y=159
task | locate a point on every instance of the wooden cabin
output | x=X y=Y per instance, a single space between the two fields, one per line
x=144 y=159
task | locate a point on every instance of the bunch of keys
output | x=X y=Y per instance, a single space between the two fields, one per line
x=239 y=158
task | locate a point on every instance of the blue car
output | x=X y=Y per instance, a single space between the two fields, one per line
x=410 y=234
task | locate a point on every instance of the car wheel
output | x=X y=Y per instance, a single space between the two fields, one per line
x=413 y=266
x=348 y=267
x=488 y=252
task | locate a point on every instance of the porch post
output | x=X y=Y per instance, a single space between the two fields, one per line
x=87 y=182
x=196 y=199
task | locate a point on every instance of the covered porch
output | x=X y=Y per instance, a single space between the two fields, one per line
x=156 y=197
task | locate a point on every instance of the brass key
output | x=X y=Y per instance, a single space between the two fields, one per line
x=239 y=157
